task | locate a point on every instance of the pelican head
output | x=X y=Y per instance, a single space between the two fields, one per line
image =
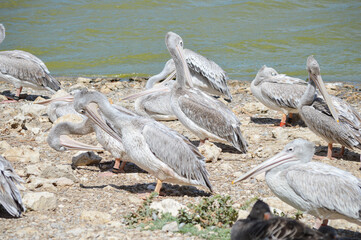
x=297 y=151
x=174 y=45
x=264 y=73
x=314 y=73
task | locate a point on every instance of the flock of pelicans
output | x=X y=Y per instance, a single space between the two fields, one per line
x=319 y=189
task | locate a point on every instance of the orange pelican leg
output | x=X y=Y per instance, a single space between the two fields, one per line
x=283 y=120
x=18 y=91
x=158 y=186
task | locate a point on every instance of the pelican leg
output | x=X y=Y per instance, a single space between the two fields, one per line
x=340 y=154
x=158 y=186
x=283 y=120
x=319 y=222
x=18 y=91
x=115 y=170
x=329 y=151
x=290 y=118
x=202 y=141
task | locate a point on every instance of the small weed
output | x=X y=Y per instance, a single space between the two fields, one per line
x=144 y=212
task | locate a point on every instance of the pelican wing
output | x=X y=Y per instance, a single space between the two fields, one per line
x=210 y=70
x=327 y=187
x=213 y=116
x=26 y=67
x=284 y=93
x=177 y=152
x=10 y=197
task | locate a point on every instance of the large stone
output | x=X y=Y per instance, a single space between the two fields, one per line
x=254 y=107
x=279 y=206
x=4 y=146
x=242 y=214
x=33 y=110
x=171 y=227
x=63 y=182
x=39 y=201
x=210 y=151
x=96 y=217
x=167 y=206
x=25 y=154
x=58 y=172
x=32 y=170
x=85 y=159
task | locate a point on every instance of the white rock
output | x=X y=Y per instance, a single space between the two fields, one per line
x=59 y=171
x=4 y=146
x=242 y=214
x=25 y=154
x=39 y=201
x=63 y=181
x=82 y=158
x=33 y=110
x=167 y=205
x=95 y=217
x=134 y=200
x=255 y=107
x=69 y=118
x=277 y=203
x=210 y=151
x=77 y=86
x=32 y=170
x=171 y=227
x=83 y=80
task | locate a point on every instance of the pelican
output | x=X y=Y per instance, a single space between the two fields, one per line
x=23 y=69
x=278 y=91
x=58 y=139
x=10 y=198
x=203 y=115
x=155 y=148
x=321 y=190
x=260 y=224
x=157 y=104
x=206 y=74
x=333 y=119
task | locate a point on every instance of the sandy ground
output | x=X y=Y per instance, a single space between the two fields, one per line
x=72 y=217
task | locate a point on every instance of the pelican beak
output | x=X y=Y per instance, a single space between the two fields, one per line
x=68 y=98
x=154 y=89
x=72 y=144
x=184 y=63
x=170 y=77
x=91 y=112
x=321 y=86
x=274 y=161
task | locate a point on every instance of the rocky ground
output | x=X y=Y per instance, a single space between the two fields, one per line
x=79 y=204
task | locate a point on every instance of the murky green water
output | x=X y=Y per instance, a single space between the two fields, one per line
x=111 y=37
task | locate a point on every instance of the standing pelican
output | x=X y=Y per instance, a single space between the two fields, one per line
x=58 y=140
x=206 y=74
x=160 y=151
x=332 y=119
x=260 y=224
x=278 y=91
x=319 y=189
x=10 y=198
x=23 y=69
x=203 y=115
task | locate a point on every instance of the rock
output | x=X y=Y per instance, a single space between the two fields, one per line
x=3 y=98
x=27 y=231
x=33 y=110
x=167 y=205
x=254 y=107
x=25 y=154
x=83 y=80
x=95 y=217
x=242 y=214
x=75 y=118
x=171 y=227
x=210 y=151
x=36 y=182
x=58 y=172
x=32 y=170
x=135 y=200
x=77 y=86
x=4 y=146
x=85 y=159
x=63 y=182
x=39 y=201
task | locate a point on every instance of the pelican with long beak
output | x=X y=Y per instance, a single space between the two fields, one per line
x=331 y=118
x=152 y=146
x=321 y=190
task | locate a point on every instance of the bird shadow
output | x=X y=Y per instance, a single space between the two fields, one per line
x=348 y=155
x=266 y=120
x=225 y=148
x=339 y=233
x=28 y=97
x=295 y=121
x=168 y=190
x=129 y=167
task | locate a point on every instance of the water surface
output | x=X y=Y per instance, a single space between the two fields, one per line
x=118 y=38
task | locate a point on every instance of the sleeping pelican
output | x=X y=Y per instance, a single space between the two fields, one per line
x=23 y=69
x=321 y=190
x=10 y=198
x=278 y=91
x=332 y=119
x=206 y=74
x=155 y=148
x=203 y=115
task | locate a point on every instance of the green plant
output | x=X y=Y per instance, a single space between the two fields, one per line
x=214 y=211
x=144 y=212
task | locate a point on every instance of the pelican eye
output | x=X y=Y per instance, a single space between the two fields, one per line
x=273 y=73
x=290 y=149
x=181 y=43
x=82 y=111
